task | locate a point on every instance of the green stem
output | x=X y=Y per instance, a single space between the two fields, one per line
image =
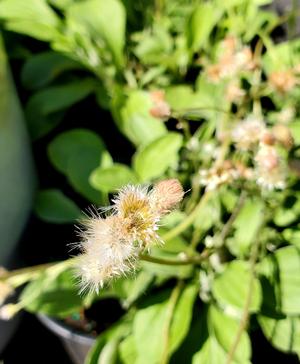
x=196 y=259
x=169 y=316
x=187 y=222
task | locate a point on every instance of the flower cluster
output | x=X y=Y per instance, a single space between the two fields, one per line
x=110 y=246
x=234 y=58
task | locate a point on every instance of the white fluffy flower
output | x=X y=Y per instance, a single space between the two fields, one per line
x=248 y=132
x=270 y=171
x=110 y=246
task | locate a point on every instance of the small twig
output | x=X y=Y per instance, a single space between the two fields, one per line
x=169 y=316
x=196 y=259
x=228 y=225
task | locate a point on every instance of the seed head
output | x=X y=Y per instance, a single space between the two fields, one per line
x=110 y=246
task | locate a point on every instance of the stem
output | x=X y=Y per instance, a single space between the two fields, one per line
x=227 y=227
x=20 y=276
x=169 y=315
x=189 y=220
x=196 y=259
x=245 y=314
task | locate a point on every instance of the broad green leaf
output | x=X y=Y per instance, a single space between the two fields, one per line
x=292 y=236
x=104 y=20
x=53 y=294
x=283 y=333
x=216 y=333
x=150 y=322
x=282 y=269
x=42 y=68
x=32 y=17
x=44 y=105
x=127 y=350
x=154 y=47
x=289 y=212
x=246 y=227
x=204 y=17
x=230 y=288
x=282 y=56
x=182 y=317
x=17 y=181
x=53 y=206
x=76 y=153
x=225 y=329
x=136 y=122
x=153 y=160
x=112 y=178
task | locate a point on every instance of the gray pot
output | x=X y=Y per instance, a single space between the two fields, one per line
x=77 y=345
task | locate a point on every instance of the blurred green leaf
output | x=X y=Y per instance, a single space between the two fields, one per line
x=53 y=206
x=104 y=20
x=32 y=17
x=150 y=324
x=112 y=178
x=246 y=227
x=136 y=122
x=43 y=107
x=42 y=68
x=127 y=350
x=282 y=269
x=76 y=153
x=154 y=159
x=203 y=19
x=230 y=288
x=54 y=294
x=283 y=333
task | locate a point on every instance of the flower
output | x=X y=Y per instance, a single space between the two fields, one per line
x=234 y=58
x=160 y=109
x=282 y=81
x=234 y=93
x=270 y=171
x=248 y=132
x=110 y=246
x=216 y=176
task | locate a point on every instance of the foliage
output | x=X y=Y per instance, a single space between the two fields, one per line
x=202 y=91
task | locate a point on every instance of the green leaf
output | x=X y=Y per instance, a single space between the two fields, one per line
x=153 y=160
x=112 y=178
x=203 y=19
x=289 y=212
x=246 y=227
x=104 y=20
x=53 y=206
x=136 y=122
x=53 y=293
x=216 y=333
x=225 y=329
x=292 y=236
x=231 y=287
x=182 y=317
x=32 y=17
x=282 y=269
x=41 y=69
x=76 y=153
x=44 y=105
x=127 y=350
x=283 y=333
x=150 y=323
